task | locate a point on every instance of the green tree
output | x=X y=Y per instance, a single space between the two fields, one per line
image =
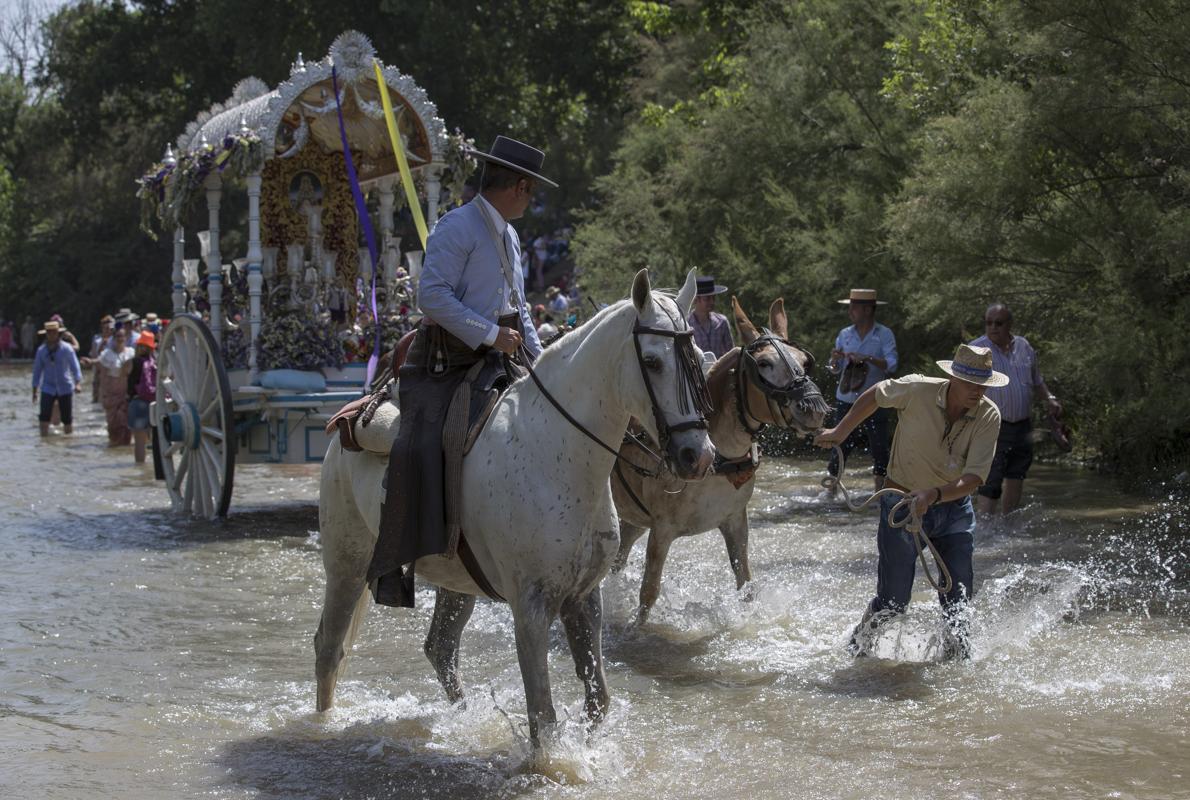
x=775 y=178
x=1059 y=184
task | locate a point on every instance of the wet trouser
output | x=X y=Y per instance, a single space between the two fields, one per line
x=875 y=428
x=65 y=407
x=951 y=527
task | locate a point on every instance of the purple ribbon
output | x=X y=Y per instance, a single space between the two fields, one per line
x=365 y=220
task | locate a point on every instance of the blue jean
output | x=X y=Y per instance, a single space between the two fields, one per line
x=951 y=527
x=138 y=414
x=875 y=428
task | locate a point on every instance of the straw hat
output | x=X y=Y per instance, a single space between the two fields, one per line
x=863 y=296
x=51 y=327
x=973 y=365
x=151 y=318
x=147 y=339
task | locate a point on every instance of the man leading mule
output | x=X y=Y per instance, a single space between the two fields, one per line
x=766 y=381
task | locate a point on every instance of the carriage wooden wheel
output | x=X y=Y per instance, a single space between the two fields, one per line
x=193 y=418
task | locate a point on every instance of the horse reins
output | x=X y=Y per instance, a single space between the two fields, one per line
x=911 y=524
x=693 y=395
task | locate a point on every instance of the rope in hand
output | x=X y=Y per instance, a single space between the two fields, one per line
x=911 y=523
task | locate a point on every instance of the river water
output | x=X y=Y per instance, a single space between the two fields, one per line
x=147 y=656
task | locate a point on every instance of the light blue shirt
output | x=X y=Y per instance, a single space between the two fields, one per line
x=1019 y=363
x=462 y=284
x=879 y=343
x=56 y=371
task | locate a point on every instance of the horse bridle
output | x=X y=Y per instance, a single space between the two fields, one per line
x=799 y=387
x=693 y=394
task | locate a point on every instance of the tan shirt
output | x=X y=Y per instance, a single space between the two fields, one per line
x=928 y=450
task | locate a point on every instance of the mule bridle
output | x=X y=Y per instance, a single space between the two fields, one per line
x=798 y=389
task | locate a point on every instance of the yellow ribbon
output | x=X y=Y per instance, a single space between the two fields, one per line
x=419 y=219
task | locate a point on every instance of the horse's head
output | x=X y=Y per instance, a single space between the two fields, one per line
x=775 y=374
x=670 y=398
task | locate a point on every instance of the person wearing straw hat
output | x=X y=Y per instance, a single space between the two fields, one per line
x=98 y=343
x=472 y=293
x=58 y=376
x=712 y=332
x=941 y=453
x=865 y=353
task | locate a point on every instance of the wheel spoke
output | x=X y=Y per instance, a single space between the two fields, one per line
x=173 y=448
x=188 y=504
x=176 y=393
x=211 y=406
x=183 y=468
x=214 y=433
x=212 y=459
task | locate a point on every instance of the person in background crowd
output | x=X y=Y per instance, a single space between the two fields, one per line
x=6 y=339
x=712 y=333
x=865 y=353
x=1015 y=357
x=111 y=370
x=541 y=253
x=546 y=330
x=129 y=322
x=28 y=338
x=57 y=374
x=556 y=302
x=141 y=389
x=67 y=336
x=945 y=440
x=152 y=323
x=98 y=343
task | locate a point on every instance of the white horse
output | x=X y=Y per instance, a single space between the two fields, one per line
x=537 y=508
x=764 y=382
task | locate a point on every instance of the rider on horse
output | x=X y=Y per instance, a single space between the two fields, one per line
x=473 y=295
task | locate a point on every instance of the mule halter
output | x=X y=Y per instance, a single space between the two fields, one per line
x=799 y=388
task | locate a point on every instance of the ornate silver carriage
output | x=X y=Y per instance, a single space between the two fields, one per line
x=248 y=366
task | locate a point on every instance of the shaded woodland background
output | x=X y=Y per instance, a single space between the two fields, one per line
x=948 y=153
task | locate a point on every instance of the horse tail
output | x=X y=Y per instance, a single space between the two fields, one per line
x=357 y=618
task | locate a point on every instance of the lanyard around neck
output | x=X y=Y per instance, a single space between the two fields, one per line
x=514 y=296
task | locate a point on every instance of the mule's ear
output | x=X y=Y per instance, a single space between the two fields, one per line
x=642 y=291
x=685 y=297
x=778 y=322
x=744 y=325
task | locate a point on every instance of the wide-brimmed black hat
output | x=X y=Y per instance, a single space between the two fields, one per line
x=706 y=285
x=516 y=156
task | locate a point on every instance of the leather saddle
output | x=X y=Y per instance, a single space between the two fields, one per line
x=486 y=387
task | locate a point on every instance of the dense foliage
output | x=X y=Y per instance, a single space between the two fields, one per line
x=950 y=154
x=88 y=107
x=947 y=152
